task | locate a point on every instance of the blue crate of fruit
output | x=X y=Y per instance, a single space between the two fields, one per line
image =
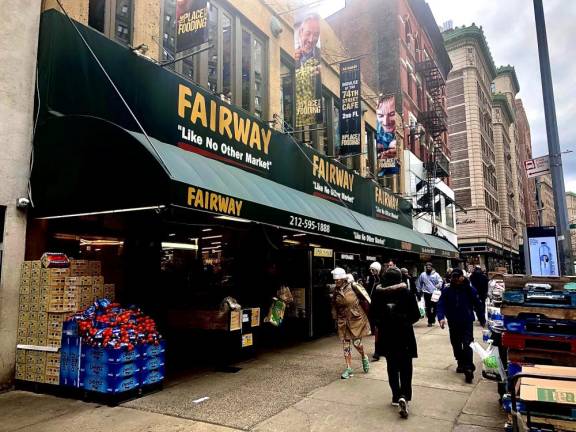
x=151 y=363
x=152 y=350
x=108 y=355
x=152 y=377
x=110 y=369
x=109 y=385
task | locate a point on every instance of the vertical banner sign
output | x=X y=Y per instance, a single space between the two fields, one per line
x=308 y=62
x=386 y=137
x=191 y=23
x=542 y=251
x=350 y=113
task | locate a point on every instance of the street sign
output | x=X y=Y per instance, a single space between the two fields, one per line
x=537 y=167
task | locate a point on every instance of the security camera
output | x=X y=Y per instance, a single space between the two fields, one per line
x=22 y=203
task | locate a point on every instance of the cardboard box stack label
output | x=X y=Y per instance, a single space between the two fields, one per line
x=47 y=297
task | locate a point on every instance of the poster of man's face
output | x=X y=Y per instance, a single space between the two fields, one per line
x=307 y=39
x=386 y=128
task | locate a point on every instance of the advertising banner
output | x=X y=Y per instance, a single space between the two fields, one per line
x=387 y=153
x=191 y=23
x=308 y=64
x=350 y=110
x=543 y=251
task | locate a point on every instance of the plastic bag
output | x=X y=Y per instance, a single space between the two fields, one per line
x=422 y=307
x=229 y=303
x=492 y=368
x=276 y=313
x=436 y=295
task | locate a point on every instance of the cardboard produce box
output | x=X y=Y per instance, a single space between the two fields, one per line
x=546 y=390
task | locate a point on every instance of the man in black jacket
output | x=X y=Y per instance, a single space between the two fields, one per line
x=480 y=281
x=394 y=310
x=457 y=304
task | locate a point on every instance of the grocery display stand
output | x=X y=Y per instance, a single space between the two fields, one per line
x=543 y=413
x=539 y=339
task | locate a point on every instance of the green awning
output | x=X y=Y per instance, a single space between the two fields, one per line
x=110 y=167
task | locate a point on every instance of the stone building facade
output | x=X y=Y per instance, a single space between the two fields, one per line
x=525 y=149
x=489 y=138
x=547 y=199
x=402 y=54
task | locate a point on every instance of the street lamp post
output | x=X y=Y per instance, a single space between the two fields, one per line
x=553 y=143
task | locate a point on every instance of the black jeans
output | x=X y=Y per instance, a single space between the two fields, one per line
x=430 y=308
x=461 y=336
x=400 y=376
x=481 y=315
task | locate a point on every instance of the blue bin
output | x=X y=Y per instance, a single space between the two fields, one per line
x=108 y=355
x=152 y=376
x=108 y=385
x=110 y=369
x=151 y=363
x=152 y=350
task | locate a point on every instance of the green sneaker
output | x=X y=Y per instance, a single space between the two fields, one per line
x=347 y=373
x=365 y=364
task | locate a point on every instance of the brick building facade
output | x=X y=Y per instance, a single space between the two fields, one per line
x=525 y=148
x=402 y=53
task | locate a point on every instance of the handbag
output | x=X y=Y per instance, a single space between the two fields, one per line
x=436 y=295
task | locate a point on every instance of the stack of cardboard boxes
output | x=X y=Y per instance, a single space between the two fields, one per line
x=47 y=297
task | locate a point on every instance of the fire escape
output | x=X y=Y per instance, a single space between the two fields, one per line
x=434 y=121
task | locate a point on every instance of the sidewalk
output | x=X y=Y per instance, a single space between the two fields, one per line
x=294 y=389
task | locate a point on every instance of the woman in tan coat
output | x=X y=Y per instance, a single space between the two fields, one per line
x=352 y=321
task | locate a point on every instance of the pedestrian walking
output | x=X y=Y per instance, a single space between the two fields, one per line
x=429 y=281
x=394 y=310
x=373 y=278
x=351 y=320
x=480 y=281
x=409 y=281
x=372 y=282
x=457 y=304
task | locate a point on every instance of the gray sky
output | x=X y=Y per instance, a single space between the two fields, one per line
x=509 y=29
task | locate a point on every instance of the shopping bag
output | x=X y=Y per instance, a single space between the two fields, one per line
x=492 y=368
x=276 y=313
x=436 y=295
x=422 y=307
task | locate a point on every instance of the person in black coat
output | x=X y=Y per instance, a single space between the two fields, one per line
x=457 y=303
x=480 y=281
x=394 y=310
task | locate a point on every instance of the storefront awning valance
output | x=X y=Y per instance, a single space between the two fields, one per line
x=83 y=164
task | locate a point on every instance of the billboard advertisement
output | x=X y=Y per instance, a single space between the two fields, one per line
x=191 y=23
x=350 y=110
x=387 y=153
x=308 y=65
x=542 y=251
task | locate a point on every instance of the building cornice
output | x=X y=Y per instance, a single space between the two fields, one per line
x=509 y=70
x=475 y=33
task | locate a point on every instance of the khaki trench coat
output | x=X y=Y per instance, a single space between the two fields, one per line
x=351 y=318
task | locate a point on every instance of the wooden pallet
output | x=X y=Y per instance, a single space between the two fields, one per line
x=541 y=357
x=562 y=344
x=548 y=312
x=88 y=396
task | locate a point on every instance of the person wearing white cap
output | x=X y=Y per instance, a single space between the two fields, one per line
x=351 y=319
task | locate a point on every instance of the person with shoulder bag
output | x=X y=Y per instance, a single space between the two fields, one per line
x=352 y=321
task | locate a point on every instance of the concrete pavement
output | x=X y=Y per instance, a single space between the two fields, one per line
x=293 y=389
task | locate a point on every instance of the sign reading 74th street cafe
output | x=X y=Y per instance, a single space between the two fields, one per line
x=537 y=167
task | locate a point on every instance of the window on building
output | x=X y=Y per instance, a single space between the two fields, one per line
x=449 y=213
x=114 y=18
x=287 y=89
x=253 y=65
x=370 y=137
x=238 y=80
